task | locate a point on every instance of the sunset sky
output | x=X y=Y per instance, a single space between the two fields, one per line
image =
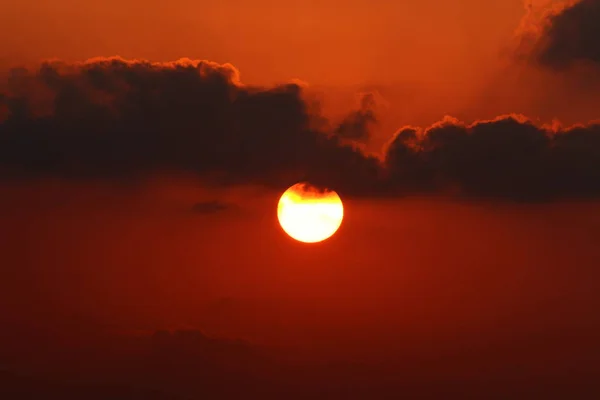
x=144 y=146
x=323 y=42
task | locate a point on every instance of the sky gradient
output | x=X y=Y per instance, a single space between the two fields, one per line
x=144 y=147
x=322 y=42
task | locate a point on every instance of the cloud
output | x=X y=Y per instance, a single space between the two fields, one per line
x=211 y=207
x=189 y=365
x=164 y=365
x=110 y=118
x=356 y=125
x=506 y=157
x=119 y=118
x=568 y=35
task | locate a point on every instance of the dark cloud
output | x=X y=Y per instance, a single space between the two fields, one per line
x=17 y=387
x=210 y=207
x=506 y=157
x=571 y=36
x=178 y=364
x=357 y=124
x=118 y=119
x=190 y=365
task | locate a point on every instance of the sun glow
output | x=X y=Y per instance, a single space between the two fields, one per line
x=309 y=215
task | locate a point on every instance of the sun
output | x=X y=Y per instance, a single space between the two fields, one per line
x=308 y=214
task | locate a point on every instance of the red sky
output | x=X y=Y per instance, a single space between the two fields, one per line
x=427 y=58
x=322 y=42
x=469 y=248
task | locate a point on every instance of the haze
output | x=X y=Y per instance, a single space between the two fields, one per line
x=144 y=147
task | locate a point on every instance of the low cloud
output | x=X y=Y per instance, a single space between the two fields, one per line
x=506 y=157
x=110 y=118
x=357 y=124
x=211 y=207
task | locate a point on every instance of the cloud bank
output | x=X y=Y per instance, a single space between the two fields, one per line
x=110 y=118
x=113 y=118
x=505 y=157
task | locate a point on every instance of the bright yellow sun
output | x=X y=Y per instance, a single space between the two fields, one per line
x=309 y=215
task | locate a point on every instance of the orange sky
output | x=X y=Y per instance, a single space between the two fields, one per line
x=500 y=293
x=142 y=259
x=324 y=41
x=427 y=58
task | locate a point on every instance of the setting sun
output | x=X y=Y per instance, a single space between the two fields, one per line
x=309 y=215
